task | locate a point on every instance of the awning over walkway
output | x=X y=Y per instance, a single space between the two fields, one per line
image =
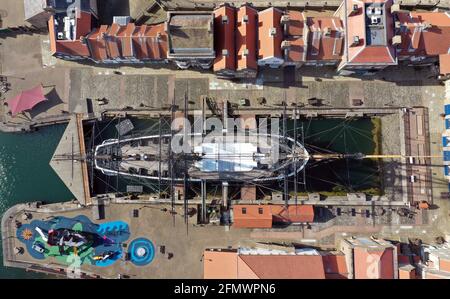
x=26 y=100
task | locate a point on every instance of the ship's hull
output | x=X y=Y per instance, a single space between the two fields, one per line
x=215 y=158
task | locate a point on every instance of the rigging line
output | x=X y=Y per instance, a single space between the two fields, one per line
x=362 y=135
x=109 y=123
x=346 y=163
x=143 y=125
x=326 y=130
x=361 y=132
x=234 y=195
x=309 y=124
x=92 y=151
x=185 y=180
x=295 y=164
x=141 y=182
x=215 y=191
x=172 y=187
x=304 y=166
x=364 y=180
x=320 y=149
x=107 y=184
x=159 y=158
x=256 y=184
x=118 y=142
x=326 y=181
x=355 y=143
x=151 y=130
x=338 y=134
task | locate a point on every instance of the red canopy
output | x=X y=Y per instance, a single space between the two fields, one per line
x=26 y=100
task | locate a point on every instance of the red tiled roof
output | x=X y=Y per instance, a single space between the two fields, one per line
x=84 y=24
x=224 y=38
x=252 y=217
x=67 y=47
x=156 y=41
x=97 y=44
x=285 y=266
x=139 y=41
x=320 y=45
x=269 y=214
x=74 y=48
x=374 y=54
x=246 y=38
x=125 y=36
x=356 y=26
x=296 y=24
x=296 y=50
x=417 y=40
x=299 y=213
x=111 y=41
x=231 y=265
x=220 y=265
x=268 y=45
x=335 y=266
x=444 y=64
x=370 y=263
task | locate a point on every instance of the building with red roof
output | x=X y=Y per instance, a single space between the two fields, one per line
x=423 y=38
x=246 y=40
x=369 y=258
x=270 y=36
x=335 y=265
x=224 y=41
x=295 y=38
x=112 y=47
x=97 y=44
x=265 y=216
x=363 y=35
x=246 y=263
x=444 y=65
x=68 y=42
x=369 y=30
x=150 y=42
x=325 y=41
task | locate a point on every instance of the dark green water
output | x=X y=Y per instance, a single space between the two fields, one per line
x=26 y=176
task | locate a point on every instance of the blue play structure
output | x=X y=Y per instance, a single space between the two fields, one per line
x=141 y=251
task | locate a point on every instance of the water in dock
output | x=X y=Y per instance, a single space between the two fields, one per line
x=25 y=176
x=332 y=177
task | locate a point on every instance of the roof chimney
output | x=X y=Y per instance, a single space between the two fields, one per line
x=425 y=25
x=397 y=40
x=355 y=41
x=285 y=44
x=395 y=8
x=285 y=19
x=272 y=31
x=224 y=19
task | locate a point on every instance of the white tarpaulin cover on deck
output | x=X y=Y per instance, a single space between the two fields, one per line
x=226 y=157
